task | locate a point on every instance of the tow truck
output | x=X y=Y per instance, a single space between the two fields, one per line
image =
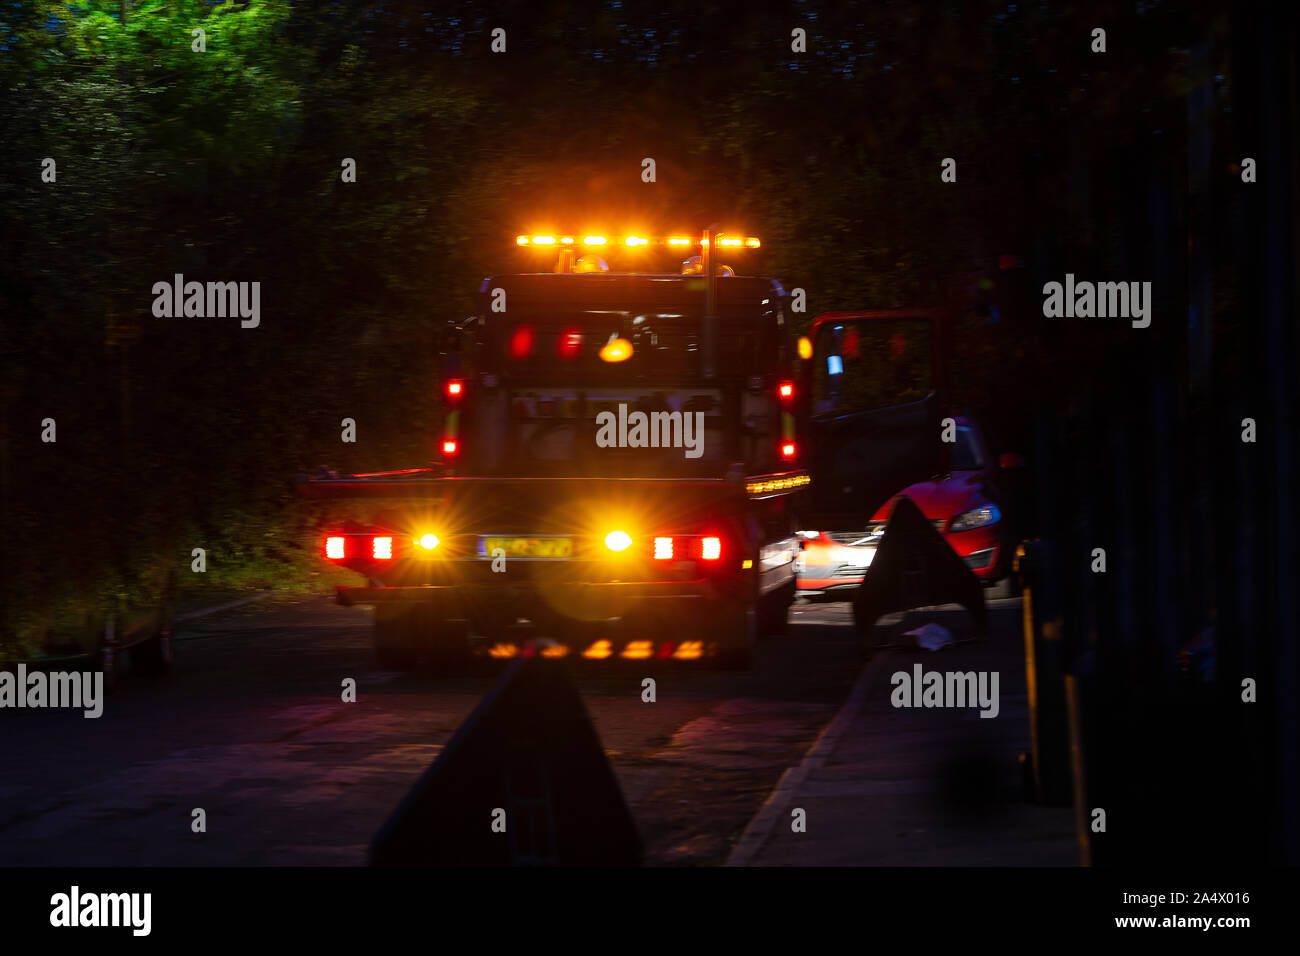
x=617 y=468
x=626 y=457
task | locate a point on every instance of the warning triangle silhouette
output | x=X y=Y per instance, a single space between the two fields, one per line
x=915 y=567
x=524 y=781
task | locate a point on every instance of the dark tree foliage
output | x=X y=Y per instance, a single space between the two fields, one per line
x=224 y=165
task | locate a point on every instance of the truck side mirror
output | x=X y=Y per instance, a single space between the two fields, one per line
x=449 y=350
x=451 y=335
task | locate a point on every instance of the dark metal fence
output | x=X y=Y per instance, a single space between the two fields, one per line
x=1145 y=458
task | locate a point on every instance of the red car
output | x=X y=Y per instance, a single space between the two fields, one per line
x=966 y=506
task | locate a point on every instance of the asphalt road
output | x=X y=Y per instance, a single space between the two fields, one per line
x=251 y=728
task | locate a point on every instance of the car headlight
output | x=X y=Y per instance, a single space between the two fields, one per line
x=976 y=518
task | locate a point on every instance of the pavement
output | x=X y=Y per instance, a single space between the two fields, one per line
x=917 y=786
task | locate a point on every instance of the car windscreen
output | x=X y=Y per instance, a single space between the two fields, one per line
x=967 y=455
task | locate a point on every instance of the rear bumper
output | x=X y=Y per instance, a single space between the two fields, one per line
x=986 y=558
x=554 y=608
x=828 y=577
x=510 y=593
x=822 y=587
x=679 y=619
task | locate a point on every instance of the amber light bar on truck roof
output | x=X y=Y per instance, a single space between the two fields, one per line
x=598 y=241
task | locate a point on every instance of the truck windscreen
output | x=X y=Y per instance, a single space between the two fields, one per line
x=613 y=385
x=615 y=431
x=535 y=345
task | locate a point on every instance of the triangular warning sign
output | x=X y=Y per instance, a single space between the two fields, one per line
x=524 y=781
x=915 y=567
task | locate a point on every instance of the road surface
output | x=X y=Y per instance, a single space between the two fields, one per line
x=251 y=729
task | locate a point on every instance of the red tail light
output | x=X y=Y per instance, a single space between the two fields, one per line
x=382 y=549
x=335 y=548
x=710 y=548
x=786 y=390
x=449 y=448
x=851 y=344
x=788 y=450
x=570 y=343
x=454 y=388
x=521 y=342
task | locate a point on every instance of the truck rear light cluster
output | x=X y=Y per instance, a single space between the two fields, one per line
x=640 y=650
x=767 y=485
x=570 y=343
x=388 y=547
x=643 y=650
x=455 y=389
x=685 y=547
x=789 y=446
x=618 y=541
x=521 y=342
x=603 y=649
x=377 y=547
